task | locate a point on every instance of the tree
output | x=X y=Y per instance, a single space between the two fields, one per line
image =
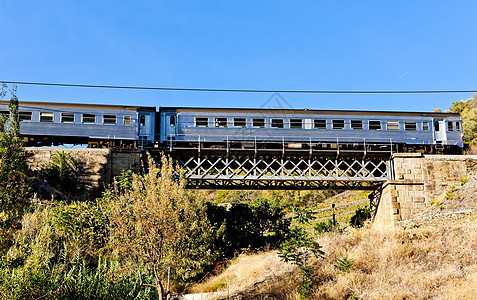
x=300 y=246
x=13 y=179
x=155 y=225
x=468 y=111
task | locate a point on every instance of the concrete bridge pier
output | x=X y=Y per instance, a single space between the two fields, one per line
x=419 y=182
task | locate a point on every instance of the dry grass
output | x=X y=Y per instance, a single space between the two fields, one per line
x=417 y=263
x=246 y=273
x=426 y=262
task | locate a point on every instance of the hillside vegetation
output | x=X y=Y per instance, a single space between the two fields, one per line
x=468 y=111
x=433 y=256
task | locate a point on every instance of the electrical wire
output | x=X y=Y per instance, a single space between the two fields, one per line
x=239 y=90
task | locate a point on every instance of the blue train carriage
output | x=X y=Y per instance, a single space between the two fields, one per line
x=310 y=130
x=46 y=124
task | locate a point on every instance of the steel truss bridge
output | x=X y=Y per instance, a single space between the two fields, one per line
x=222 y=169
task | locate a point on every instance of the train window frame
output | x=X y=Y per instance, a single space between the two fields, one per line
x=108 y=119
x=22 y=114
x=220 y=122
x=88 y=118
x=392 y=125
x=450 y=126
x=172 y=121
x=296 y=123
x=202 y=122
x=63 y=115
x=410 y=126
x=47 y=117
x=425 y=126
x=258 y=122
x=127 y=120
x=457 y=126
x=336 y=124
x=277 y=123
x=375 y=125
x=240 y=122
x=318 y=124
x=357 y=124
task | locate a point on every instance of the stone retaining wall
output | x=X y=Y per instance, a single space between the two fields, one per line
x=99 y=166
x=419 y=181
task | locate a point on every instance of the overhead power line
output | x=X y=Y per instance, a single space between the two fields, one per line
x=239 y=90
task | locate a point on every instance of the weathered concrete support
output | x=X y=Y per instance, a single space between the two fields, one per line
x=99 y=166
x=420 y=180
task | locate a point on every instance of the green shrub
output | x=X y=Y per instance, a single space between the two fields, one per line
x=84 y=227
x=63 y=172
x=13 y=179
x=299 y=246
x=360 y=216
x=323 y=226
x=247 y=225
x=74 y=281
x=344 y=263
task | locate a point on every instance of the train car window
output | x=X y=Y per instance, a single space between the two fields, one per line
x=67 y=117
x=410 y=126
x=172 y=121
x=320 y=124
x=220 y=122
x=450 y=126
x=25 y=116
x=296 y=123
x=142 y=120
x=457 y=126
x=109 y=119
x=357 y=124
x=260 y=123
x=46 y=117
x=89 y=119
x=5 y=113
x=127 y=120
x=425 y=126
x=277 y=123
x=436 y=125
x=392 y=125
x=338 y=124
x=201 y=122
x=374 y=125
x=240 y=122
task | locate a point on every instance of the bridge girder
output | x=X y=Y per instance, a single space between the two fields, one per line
x=227 y=171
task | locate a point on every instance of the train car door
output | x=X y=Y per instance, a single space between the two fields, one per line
x=440 y=133
x=170 y=126
x=145 y=128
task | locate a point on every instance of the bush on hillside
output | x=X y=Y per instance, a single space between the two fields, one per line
x=63 y=172
x=13 y=179
x=360 y=216
x=468 y=111
x=248 y=226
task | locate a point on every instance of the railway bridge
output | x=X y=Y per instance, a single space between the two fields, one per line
x=403 y=184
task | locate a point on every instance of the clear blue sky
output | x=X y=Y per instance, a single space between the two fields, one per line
x=324 y=45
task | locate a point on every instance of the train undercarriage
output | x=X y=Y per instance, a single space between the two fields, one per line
x=327 y=148
x=330 y=149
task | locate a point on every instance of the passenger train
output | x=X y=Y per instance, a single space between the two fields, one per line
x=46 y=124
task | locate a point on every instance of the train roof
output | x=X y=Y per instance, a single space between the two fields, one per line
x=308 y=111
x=82 y=106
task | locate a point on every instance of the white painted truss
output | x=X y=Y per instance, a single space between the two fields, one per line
x=272 y=172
